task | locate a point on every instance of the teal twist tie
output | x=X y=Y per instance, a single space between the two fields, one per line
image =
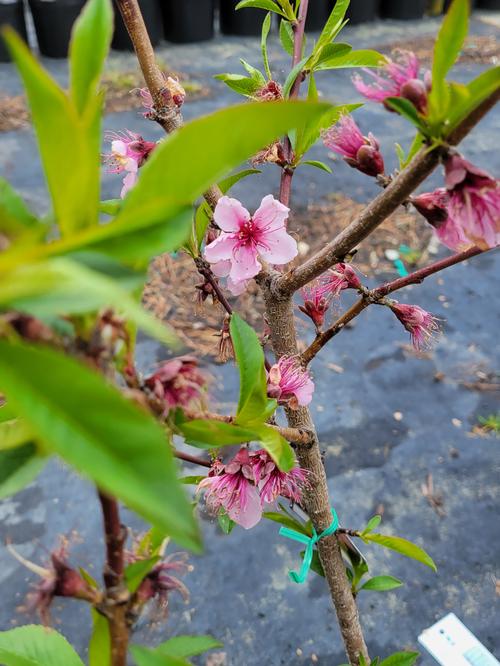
x=309 y=542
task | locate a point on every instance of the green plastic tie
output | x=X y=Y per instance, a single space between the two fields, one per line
x=309 y=542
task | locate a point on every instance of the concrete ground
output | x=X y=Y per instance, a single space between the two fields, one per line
x=385 y=423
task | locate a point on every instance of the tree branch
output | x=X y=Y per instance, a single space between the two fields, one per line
x=375 y=295
x=396 y=193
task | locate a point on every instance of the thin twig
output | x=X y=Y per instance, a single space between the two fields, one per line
x=376 y=295
x=203 y=462
x=205 y=271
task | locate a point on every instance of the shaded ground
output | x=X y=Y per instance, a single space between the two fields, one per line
x=386 y=419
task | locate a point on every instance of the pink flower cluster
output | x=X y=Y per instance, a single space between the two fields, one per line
x=172 y=95
x=289 y=383
x=418 y=322
x=397 y=78
x=467 y=211
x=249 y=481
x=244 y=239
x=178 y=382
x=360 y=152
x=128 y=153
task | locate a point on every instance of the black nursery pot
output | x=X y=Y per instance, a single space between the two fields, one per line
x=403 y=10
x=152 y=18
x=53 y=21
x=362 y=11
x=244 y=22
x=488 y=4
x=11 y=13
x=187 y=21
x=317 y=14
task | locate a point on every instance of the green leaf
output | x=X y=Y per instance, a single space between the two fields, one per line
x=448 y=44
x=318 y=165
x=61 y=134
x=148 y=657
x=255 y=73
x=62 y=287
x=89 y=47
x=406 y=548
x=191 y=480
x=401 y=659
x=136 y=572
x=290 y=79
x=253 y=400
x=331 y=51
x=188 y=646
x=406 y=109
x=119 y=446
x=18 y=468
x=110 y=206
x=286 y=36
x=266 y=27
x=100 y=642
x=341 y=60
x=243 y=85
x=276 y=445
x=372 y=524
x=14 y=432
x=17 y=219
x=382 y=583
x=261 y=4
x=287 y=521
x=310 y=133
x=34 y=645
x=333 y=25
x=225 y=522
x=204 y=150
x=477 y=91
x=208 y=434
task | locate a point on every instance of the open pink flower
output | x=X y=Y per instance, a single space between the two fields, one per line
x=360 y=152
x=244 y=239
x=474 y=202
x=341 y=276
x=434 y=207
x=178 y=382
x=232 y=488
x=317 y=300
x=289 y=383
x=129 y=151
x=272 y=482
x=397 y=78
x=420 y=323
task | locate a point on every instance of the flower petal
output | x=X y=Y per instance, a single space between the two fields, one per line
x=271 y=214
x=248 y=511
x=244 y=264
x=279 y=247
x=221 y=249
x=230 y=214
x=221 y=268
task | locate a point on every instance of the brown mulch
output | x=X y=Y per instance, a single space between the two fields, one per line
x=483 y=49
x=118 y=86
x=171 y=294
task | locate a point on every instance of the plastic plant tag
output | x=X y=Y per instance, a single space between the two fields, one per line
x=452 y=644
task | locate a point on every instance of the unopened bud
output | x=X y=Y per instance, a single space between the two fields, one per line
x=415 y=91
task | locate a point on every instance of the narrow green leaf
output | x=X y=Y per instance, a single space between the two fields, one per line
x=401 y=659
x=119 y=446
x=225 y=522
x=382 y=584
x=188 y=646
x=402 y=546
x=277 y=446
x=61 y=287
x=449 y=41
x=191 y=480
x=88 y=578
x=477 y=91
x=290 y=79
x=243 y=85
x=405 y=108
x=332 y=51
x=100 y=641
x=318 y=165
x=17 y=219
x=286 y=36
x=34 y=645
x=18 y=468
x=287 y=521
x=255 y=73
x=372 y=524
x=361 y=58
x=332 y=26
x=136 y=572
x=208 y=434
x=89 y=47
x=61 y=133
x=266 y=27
x=14 y=432
x=110 y=206
x=261 y=4
x=148 y=657
x=253 y=398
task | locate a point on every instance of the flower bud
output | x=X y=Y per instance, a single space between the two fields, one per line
x=415 y=91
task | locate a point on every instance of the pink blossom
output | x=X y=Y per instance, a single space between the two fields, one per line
x=231 y=487
x=270 y=92
x=420 y=323
x=244 y=239
x=272 y=482
x=341 y=276
x=396 y=78
x=434 y=207
x=289 y=383
x=360 y=152
x=317 y=300
x=172 y=94
x=474 y=203
x=129 y=151
x=178 y=382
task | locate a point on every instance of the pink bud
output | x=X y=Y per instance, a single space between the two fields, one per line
x=415 y=91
